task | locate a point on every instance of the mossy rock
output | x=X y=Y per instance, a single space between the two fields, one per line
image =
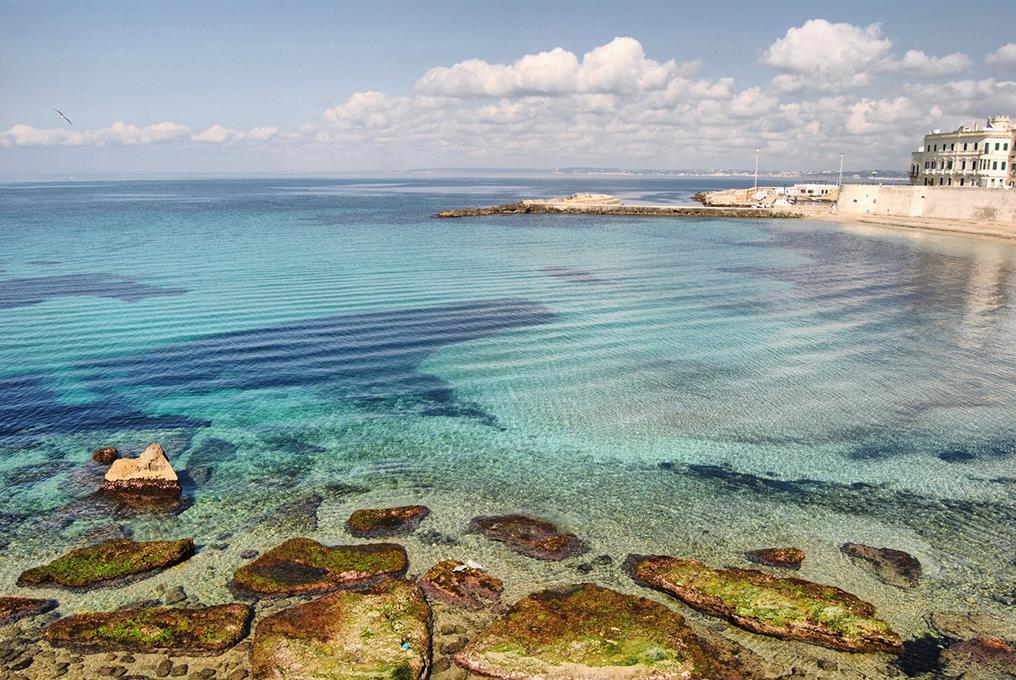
x=14 y=608
x=461 y=585
x=381 y=633
x=303 y=566
x=194 y=632
x=529 y=536
x=592 y=633
x=375 y=523
x=783 y=607
x=108 y=561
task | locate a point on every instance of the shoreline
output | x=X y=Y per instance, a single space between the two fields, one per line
x=990 y=231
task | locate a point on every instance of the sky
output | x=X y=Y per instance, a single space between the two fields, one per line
x=206 y=88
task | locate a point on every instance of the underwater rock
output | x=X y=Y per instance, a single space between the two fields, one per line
x=15 y=608
x=109 y=561
x=460 y=585
x=987 y=658
x=783 y=607
x=106 y=455
x=150 y=474
x=386 y=521
x=965 y=625
x=536 y=538
x=787 y=558
x=193 y=632
x=592 y=633
x=383 y=632
x=302 y=566
x=893 y=567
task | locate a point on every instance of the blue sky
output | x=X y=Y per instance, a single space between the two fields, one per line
x=189 y=87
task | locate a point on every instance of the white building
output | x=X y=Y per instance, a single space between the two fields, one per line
x=971 y=156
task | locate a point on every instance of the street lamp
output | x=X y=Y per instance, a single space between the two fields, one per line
x=756 y=167
x=841 y=170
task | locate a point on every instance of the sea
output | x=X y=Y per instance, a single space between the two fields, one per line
x=304 y=347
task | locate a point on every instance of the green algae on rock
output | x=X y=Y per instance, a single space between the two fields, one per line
x=303 y=566
x=194 y=632
x=461 y=585
x=108 y=561
x=383 y=632
x=783 y=607
x=374 y=523
x=592 y=633
x=15 y=608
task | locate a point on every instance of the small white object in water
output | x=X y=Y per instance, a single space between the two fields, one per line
x=470 y=564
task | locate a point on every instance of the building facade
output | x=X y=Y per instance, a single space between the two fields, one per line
x=971 y=156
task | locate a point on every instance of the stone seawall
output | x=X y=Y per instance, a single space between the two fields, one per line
x=967 y=204
x=547 y=208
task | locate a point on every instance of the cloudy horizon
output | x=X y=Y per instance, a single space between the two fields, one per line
x=803 y=92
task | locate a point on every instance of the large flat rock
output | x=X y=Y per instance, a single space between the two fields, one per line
x=108 y=562
x=891 y=566
x=379 y=522
x=783 y=607
x=302 y=566
x=586 y=632
x=194 y=632
x=461 y=585
x=383 y=632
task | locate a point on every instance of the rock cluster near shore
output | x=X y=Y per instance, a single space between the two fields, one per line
x=367 y=620
x=557 y=208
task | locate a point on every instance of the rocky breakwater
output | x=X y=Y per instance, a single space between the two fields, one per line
x=108 y=563
x=590 y=632
x=601 y=204
x=149 y=477
x=782 y=607
x=301 y=566
x=382 y=632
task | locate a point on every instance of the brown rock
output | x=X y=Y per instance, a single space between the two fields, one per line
x=462 y=586
x=14 y=608
x=894 y=567
x=303 y=566
x=376 y=523
x=108 y=561
x=106 y=455
x=783 y=607
x=150 y=474
x=536 y=538
x=987 y=658
x=787 y=558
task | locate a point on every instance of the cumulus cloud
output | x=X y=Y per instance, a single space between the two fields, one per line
x=918 y=62
x=618 y=67
x=1003 y=56
x=124 y=134
x=832 y=53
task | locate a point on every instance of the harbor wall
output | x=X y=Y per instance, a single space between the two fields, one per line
x=948 y=203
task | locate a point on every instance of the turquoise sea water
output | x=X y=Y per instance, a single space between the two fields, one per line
x=302 y=348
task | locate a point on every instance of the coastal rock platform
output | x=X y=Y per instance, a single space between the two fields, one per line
x=782 y=607
x=590 y=632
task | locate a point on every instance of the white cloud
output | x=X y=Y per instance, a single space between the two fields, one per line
x=832 y=54
x=874 y=115
x=1003 y=56
x=918 y=62
x=620 y=66
x=124 y=134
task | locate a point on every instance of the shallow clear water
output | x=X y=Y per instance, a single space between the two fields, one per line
x=695 y=387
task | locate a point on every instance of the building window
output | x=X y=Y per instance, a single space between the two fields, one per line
x=961 y=181
x=950 y=181
x=964 y=146
x=952 y=147
x=949 y=165
x=1003 y=166
x=997 y=145
x=975 y=146
x=963 y=165
x=1005 y=147
x=994 y=165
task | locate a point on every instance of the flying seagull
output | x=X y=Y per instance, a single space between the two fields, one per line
x=64 y=117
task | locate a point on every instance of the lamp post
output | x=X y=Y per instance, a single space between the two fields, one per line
x=841 y=170
x=756 y=167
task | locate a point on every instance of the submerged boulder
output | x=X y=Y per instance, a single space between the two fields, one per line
x=461 y=585
x=108 y=561
x=536 y=538
x=105 y=455
x=150 y=474
x=375 y=523
x=980 y=658
x=383 y=632
x=194 y=632
x=787 y=558
x=893 y=567
x=592 y=633
x=303 y=566
x=783 y=607
x=15 y=608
